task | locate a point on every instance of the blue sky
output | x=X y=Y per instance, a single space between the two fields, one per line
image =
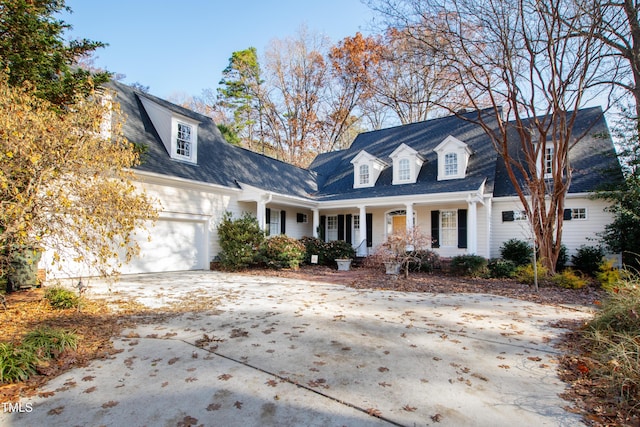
x=181 y=48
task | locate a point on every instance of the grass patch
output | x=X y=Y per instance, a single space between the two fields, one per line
x=605 y=370
x=17 y=363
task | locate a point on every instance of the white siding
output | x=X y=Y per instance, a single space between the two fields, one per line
x=575 y=232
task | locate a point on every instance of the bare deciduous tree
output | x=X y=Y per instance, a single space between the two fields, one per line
x=532 y=75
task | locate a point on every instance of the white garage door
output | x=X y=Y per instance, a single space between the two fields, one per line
x=175 y=245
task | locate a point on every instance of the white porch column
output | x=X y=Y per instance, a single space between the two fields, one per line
x=260 y=214
x=362 y=234
x=472 y=228
x=316 y=222
x=409 y=217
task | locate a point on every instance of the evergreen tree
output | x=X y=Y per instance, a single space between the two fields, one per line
x=32 y=49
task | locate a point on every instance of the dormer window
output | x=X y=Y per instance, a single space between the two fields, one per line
x=453 y=158
x=366 y=169
x=451 y=164
x=183 y=141
x=548 y=162
x=185 y=138
x=178 y=132
x=404 y=170
x=364 y=174
x=406 y=164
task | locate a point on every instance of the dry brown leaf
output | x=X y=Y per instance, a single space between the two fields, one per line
x=109 y=404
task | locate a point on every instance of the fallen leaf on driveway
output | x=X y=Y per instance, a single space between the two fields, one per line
x=238 y=404
x=56 y=411
x=409 y=408
x=224 y=377
x=109 y=404
x=373 y=411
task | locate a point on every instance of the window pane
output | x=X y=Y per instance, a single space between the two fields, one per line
x=364 y=174
x=548 y=160
x=332 y=228
x=449 y=225
x=183 y=145
x=404 y=172
x=579 y=213
x=274 y=224
x=450 y=164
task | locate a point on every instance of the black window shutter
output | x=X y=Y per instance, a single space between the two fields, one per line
x=369 y=230
x=462 y=228
x=323 y=225
x=340 y=227
x=435 y=229
x=347 y=231
x=299 y=217
x=283 y=222
x=566 y=215
x=507 y=216
x=267 y=219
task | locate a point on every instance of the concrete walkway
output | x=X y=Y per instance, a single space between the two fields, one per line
x=271 y=351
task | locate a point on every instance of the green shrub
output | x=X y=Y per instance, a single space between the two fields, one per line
x=313 y=246
x=17 y=363
x=469 y=265
x=282 y=252
x=338 y=249
x=50 y=342
x=425 y=261
x=516 y=251
x=501 y=268
x=61 y=298
x=240 y=241
x=327 y=252
x=526 y=274
x=608 y=276
x=563 y=258
x=588 y=259
x=569 y=279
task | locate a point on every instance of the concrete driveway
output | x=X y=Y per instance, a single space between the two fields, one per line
x=262 y=351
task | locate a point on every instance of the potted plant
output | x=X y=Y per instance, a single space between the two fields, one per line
x=344 y=264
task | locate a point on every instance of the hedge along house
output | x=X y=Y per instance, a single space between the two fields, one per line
x=442 y=175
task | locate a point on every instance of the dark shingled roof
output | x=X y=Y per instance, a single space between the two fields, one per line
x=330 y=176
x=219 y=162
x=335 y=172
x=593 y=159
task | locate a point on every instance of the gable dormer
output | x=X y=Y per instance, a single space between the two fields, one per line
x=178 y=133
x=406 y=164
x=366 y=169
x=453 y=158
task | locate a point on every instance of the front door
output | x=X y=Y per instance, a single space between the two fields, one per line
x=399 y=224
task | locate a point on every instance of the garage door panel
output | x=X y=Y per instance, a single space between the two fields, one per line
x=174 y=246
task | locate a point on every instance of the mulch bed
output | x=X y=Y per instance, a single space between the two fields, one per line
x=371 y=278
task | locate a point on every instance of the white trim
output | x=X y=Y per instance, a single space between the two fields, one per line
x=156 y=178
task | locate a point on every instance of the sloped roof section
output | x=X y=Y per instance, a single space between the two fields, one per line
x=592 y=159
x=337 y=171
x=219 y=162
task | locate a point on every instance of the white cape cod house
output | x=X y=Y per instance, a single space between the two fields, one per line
x=442 y=175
